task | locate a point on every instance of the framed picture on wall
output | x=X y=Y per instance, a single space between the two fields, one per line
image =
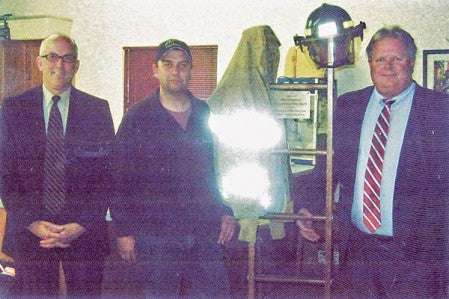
x=436 y=70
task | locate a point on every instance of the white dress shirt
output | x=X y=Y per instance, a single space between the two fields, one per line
x=63 y=106
x=400 y=111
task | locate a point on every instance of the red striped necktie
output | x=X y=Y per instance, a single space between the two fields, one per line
x=373 y=174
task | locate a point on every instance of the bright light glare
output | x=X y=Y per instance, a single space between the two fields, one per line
x=327 y=29
x=246 y=130
x=247 y=181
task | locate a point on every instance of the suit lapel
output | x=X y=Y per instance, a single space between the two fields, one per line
x=355 y=114
x=77 y=118
x=413 y=149
x=73 y=110
x=34 y=120
x=29 y=127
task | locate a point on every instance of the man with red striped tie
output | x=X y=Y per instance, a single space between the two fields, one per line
x=391 y=146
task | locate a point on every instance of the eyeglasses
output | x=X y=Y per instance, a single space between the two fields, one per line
x=397 y=60
x=68 y=58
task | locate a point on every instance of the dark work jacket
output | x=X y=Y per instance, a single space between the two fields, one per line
x=88 y=140
x=421 y=194
x=165 y=177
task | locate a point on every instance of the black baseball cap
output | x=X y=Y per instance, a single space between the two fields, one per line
x=171 y=44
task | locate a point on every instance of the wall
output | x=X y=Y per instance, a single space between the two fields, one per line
x=103 y=27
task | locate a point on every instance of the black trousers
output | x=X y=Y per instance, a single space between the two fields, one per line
x=376 y=267
x=37 y=269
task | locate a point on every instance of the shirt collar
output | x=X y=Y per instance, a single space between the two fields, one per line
x=65 y=96
x=402 y=97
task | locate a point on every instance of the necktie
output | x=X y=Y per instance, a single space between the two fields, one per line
x=373 y=174
x=54 y=167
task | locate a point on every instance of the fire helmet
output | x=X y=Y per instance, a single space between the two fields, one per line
x=329 y=36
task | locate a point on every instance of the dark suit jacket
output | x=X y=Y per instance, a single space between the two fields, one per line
x=420 y=208
x=89 y=133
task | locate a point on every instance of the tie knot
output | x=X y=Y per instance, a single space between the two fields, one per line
x=55 y=99
x=388 y=102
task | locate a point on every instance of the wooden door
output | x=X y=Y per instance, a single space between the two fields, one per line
x=18 y=69
x=140 y=82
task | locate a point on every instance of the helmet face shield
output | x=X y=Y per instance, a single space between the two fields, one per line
x=330 y=35
x=333 y=52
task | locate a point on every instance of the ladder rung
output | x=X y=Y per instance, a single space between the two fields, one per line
x=291 y=279
x=298 y=151
x=291 y=216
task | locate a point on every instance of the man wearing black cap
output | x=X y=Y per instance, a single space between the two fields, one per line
x=167 y=211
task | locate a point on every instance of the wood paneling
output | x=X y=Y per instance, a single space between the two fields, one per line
x=18 y=69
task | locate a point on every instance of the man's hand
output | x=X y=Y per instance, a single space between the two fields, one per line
x=49 y=233
x=127 y=248
x=45 y=230
x=228 y=225
x=69 y=232
x=306 y=226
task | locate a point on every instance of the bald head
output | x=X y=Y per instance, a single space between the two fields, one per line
x=58 y=36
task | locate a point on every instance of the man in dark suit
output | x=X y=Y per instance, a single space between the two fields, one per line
x=53 y=219
x=397 y=249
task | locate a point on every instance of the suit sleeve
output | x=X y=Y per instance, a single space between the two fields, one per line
x=20 y=202
x=124 y=205
x=94 y=172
